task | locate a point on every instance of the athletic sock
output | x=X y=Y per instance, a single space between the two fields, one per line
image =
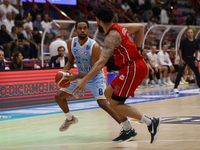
x=159 y=81
x=146 y=119
x=68 y=115
x=126 y=125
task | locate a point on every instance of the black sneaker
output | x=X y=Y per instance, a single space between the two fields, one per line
x=125 y=136
x=154 y=128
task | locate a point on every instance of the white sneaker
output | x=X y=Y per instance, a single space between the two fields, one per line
x=170 y=82
x=68 y=123
x=165 y=83
x=176 y=91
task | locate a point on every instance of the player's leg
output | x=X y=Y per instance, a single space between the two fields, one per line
x=98 y=93
x=60 y=98
x=125 y=88
x=178 y=78
x=158 y=77
x=164 y=69
x=196 y=72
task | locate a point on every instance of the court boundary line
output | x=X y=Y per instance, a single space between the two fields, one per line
x=131 y=142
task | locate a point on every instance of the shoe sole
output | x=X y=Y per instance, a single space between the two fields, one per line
x=155 y=137
x=127 y=140
x=70 y=125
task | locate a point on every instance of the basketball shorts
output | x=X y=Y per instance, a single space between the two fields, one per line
x=97 y=88
x=129 y=78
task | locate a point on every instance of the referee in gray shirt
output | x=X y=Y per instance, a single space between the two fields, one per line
x=188 y=47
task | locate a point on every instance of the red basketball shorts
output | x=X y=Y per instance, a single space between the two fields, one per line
x=129 y=78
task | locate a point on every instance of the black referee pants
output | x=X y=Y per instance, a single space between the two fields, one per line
x=190 y=62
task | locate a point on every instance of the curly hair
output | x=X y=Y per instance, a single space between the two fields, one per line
x=104 y=12
x=81 y=20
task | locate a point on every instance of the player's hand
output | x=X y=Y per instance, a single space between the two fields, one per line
x=80 y=86
x=195 y=63
x=182 y=62
x=156 y=69
x=58 y=59
x=152 y=71
x=70 y=77
x=172 y=68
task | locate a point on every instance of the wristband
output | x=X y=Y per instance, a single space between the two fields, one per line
x=138 y=48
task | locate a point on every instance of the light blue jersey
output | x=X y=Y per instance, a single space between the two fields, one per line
x=83 y=57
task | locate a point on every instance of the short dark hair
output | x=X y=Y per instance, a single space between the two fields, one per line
x=61 y=47
x=81 y=20
x=13 y=28
x=104 y=12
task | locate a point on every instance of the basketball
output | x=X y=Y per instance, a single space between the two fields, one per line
x=59 y=79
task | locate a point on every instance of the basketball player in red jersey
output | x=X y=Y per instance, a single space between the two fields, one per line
x=133 y=69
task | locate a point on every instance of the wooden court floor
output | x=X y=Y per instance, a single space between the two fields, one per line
x=180 y=129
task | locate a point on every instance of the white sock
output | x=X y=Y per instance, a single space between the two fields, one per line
x=68 y=115
x=185 y=77
x=152 y=82
x=191 y=77
x=164 y=79
x=126 y=125
x=147 y=81
x=159 y=81
x=146 y=119
x=168 y=79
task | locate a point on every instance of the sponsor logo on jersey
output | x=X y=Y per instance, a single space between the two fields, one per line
x=75 y=51
x=124 y=31
x=121 y=77
x=88 y=47
x=78 y=62
x=80 y=52
x=77 y=57
x=84 y=59
x=86 y=53
x=75 y=44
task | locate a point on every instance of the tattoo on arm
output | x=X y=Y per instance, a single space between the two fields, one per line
x=112 y=40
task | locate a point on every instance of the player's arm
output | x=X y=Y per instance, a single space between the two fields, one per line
x=138 y=29
x=96 y=51
x=70 y=62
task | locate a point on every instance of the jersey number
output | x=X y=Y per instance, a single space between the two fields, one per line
x=100 y=92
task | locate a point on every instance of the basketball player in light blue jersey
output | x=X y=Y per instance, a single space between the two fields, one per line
x=86 y=52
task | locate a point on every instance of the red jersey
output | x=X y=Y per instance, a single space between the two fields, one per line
x=127 y=51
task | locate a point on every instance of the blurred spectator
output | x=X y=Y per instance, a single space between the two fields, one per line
x=37 y=38
x=118 y=5
x=2 y=64
x=149 y=76
x=169 y=11
x=178 y=15
x=147 y=8
x=157 y=69
x=6 y=7
x=164 y=60
x=13 y=35
x=28 y=22
x=151 y=22
x=9 y=23
x=55 y=44
x=59 y=60
x=17 y=61
x=125 y=6
x=156 y=11
x=18 y=5
x=1 y=18
x=35 y=11
x=45 y=23
x=37 y=23
x=29 y=38
x=6 y=41
x=19 y=21
x=23 y=44
x=164 y=19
